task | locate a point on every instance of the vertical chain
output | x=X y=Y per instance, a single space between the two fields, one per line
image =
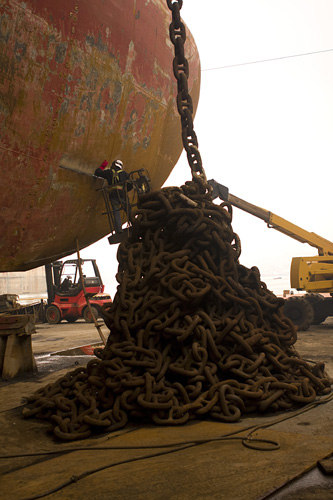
x=177 y=32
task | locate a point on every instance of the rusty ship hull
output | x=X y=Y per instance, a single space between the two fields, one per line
x=80 y=82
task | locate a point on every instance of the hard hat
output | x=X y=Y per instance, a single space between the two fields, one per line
x=104 y=164
x=118 y=163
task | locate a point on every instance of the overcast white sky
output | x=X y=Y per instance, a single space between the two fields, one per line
x=265 y=130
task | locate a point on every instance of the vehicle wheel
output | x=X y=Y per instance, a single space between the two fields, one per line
x=313 y=298
x=300 y=311
x=53 y=315
x=71 y=319
x=87 y=315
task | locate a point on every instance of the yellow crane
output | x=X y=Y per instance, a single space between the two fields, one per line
x=313 y=275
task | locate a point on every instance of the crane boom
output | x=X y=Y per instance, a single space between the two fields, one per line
x=324 y=246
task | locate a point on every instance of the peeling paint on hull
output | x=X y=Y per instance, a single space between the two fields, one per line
x=80 y=81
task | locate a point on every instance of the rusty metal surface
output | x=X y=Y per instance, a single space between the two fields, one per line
x=193 y=333
x=79 y=82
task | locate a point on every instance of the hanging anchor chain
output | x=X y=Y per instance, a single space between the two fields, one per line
x=177 y=32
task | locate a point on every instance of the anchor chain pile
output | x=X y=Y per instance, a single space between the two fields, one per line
x=193 y=333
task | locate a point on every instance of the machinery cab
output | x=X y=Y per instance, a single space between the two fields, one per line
x=66 y=298
x=68 y=281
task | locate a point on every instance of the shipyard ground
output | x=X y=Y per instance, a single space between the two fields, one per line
x=217 y=469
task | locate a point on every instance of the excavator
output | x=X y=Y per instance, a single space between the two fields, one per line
x=313 y=275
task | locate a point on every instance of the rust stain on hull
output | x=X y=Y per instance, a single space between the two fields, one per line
x=80 y=81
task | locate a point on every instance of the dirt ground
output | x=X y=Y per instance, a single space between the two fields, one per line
x=53 y=338
x=213 y=470
x=317 y=344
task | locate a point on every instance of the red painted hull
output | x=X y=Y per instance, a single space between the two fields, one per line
x=80 y=82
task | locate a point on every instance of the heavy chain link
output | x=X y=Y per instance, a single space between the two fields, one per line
x=193 y=333
x=177 y=32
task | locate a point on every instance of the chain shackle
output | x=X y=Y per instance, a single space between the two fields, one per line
x=172 y=2
x=177 y=32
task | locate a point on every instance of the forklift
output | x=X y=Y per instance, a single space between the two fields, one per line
x=66 y=298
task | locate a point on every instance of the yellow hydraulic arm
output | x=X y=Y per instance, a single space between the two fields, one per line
x=307 y=273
